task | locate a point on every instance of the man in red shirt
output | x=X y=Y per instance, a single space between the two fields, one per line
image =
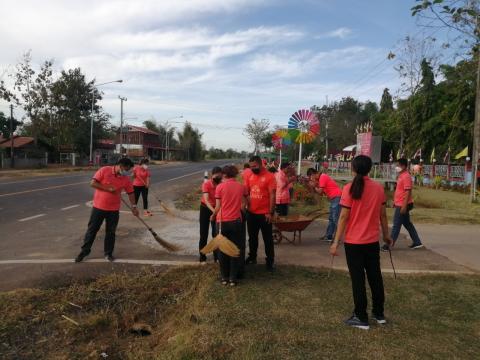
x=246 y=172
x=283 y=190
x=108 y=182
x=261 y=188
x=141 y=183
x=403 y=203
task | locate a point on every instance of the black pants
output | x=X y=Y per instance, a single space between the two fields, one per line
x=231 y=267
x=363 y=259
x=96 y=219
x=281 y=209
x=205 y=223
x=257 y=223
x=144 y=191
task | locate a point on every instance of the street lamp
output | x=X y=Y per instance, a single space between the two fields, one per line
x=167 y=138
x=91 y=121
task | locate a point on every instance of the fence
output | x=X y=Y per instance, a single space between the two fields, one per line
x=23 y=162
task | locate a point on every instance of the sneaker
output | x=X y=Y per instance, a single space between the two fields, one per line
x=224 y=282
x=147 y=213
x=251 y=261
x=380 y=319
x=385 y=248
x=80 y=257
x=326 y=238
x=416 y=246
x=109 y=258
x=354 y=321
x=232 y=283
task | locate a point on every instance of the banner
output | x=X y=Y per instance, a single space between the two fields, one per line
x=364 y=144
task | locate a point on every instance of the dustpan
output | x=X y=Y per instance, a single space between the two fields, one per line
x=222 y=243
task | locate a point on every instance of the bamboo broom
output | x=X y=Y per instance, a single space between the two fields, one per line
x=164 y=207
x=222 y=243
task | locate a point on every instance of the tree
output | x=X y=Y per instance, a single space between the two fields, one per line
x=386 y=104
x=190 y=140
x=255 y=131
x=5 y=125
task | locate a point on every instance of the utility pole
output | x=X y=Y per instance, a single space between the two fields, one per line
x=12 y=160
x=326 y=127
x=476 y=138
x=122 y=99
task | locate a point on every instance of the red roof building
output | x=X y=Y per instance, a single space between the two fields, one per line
x=139 y=142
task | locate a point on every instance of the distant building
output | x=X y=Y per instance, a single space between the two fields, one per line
x=139 y=142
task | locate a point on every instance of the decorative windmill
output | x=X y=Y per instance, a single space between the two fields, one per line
x=281 y=139
x=303 y=127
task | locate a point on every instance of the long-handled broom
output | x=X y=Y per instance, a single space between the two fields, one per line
x=391 y=262
x=164 y=207
x=223 y=243
x=164 y=243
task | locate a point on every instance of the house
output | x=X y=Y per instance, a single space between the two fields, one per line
x=26 y=153
x=139 y=142
x=104 y=152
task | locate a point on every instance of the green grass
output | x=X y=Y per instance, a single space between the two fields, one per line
x=295 y=313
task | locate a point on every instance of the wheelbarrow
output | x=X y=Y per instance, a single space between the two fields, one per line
x=294 y=224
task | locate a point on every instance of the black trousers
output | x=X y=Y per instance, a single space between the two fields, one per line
x=96 y=219
x=281 y=209
x=231 y=267
x=205 y=223
x=144 y=191
x=255 y=224
x=363 y=259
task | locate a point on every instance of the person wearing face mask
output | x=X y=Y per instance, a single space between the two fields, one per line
x=261 y=186
x=108 y=182
x=207 y=207
x=403 y=202
x=141 y=183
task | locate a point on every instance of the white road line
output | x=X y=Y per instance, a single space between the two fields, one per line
x=32 y=217
x=180 y=177
x=44 y=189
x=69 y=207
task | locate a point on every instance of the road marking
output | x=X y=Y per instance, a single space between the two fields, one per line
x=69 y=207
x=32 y=217
x=42 y=178
x=181 y=177
x=44 y=189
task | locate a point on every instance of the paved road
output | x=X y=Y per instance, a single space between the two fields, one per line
x=46 y=217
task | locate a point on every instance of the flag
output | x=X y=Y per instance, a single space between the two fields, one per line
x=446 y=158
x=398 y=154
x=418 y=153
x=463 y=153
x=432 y=156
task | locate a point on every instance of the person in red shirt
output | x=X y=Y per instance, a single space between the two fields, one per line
x=207 y=207
x=108 y=182
x=363 y=213
x=141 y=183
x=403 y=202
x=246 y=172
x=283 y=191
x=230 y=198
x=261 y=188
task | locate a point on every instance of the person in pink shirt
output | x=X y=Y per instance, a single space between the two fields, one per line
x=141 y=183
x=363 y=213
x=246 y=172
x=403 y=202
x=282 y=195
x=230 y=198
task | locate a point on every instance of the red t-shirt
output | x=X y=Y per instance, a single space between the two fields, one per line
x=141 y=176
x=283 y=193
x=404 y=184
x=329 y=186
x=230 y=193
x=105 y=200
x=246 y=174
x=208 y=187
x=363 y=226
x=259 y=187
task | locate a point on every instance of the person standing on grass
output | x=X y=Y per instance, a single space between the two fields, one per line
x=403 y=202
x=141 y=183
x=108 y=182
x=363 y=213
x=230 y=198
x=207 y=208
x=261 y=188
x=326 y=185
x=282 y=193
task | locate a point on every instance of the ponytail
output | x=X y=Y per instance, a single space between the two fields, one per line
x=361 y=165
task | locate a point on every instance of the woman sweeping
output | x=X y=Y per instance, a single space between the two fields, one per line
x=207 y=207
x=230 y=200
x=363 y=210
x=141 y=182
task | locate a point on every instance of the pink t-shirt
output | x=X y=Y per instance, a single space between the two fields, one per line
x=363 y=226
x=404 y=184
x=230 y=193
x=208 y=187
x=141 y=176
x=283 y=194
x=105 y=200
x=329 y=186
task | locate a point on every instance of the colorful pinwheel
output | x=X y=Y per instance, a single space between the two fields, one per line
x=281 y=139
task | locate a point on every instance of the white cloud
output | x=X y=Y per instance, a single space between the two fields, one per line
x=340 y=33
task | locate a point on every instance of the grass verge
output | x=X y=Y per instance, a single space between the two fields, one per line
x=295 y=313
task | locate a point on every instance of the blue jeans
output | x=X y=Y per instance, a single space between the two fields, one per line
x=333 y=217
x=404 y=219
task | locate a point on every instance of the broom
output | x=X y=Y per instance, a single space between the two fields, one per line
x=391 y=262
x=164 y=207
x=164 y=243
x=223 y=243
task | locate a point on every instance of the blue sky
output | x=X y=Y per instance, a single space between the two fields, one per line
x=216 y=62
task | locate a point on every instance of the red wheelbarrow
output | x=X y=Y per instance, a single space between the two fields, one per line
x=292 y=223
